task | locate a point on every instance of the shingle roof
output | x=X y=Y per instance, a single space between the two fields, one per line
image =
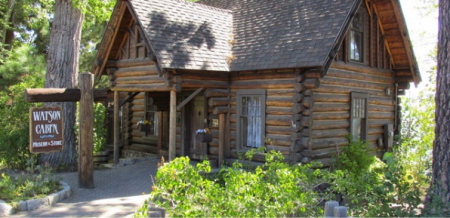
x=269 y=34
x=186 y=35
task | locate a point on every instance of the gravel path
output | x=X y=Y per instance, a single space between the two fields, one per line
x=118 y=193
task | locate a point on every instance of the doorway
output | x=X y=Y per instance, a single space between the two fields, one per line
x=194 y=117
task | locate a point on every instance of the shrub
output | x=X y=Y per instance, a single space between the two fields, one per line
x=273 y=189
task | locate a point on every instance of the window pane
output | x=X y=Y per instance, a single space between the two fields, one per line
x=356 y=131
x=356 y=45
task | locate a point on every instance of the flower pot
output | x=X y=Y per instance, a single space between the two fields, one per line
x=144 y=127
x=203 y=137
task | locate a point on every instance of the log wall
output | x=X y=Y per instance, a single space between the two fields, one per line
x=329 y=118
x=281 y=99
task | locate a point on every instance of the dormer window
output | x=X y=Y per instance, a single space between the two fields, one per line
x=356 y=38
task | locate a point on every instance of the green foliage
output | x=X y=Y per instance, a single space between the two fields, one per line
x=28 y=185
x=271 y=190
x=14 y=120
x=379 y=188
x=355 y=157
x=99 y=128
x=23 y=60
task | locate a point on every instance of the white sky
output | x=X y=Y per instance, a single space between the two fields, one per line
x=421 y=19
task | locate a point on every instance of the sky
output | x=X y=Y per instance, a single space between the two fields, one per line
x=421 y=19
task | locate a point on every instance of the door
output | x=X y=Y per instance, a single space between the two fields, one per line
x=194 y=119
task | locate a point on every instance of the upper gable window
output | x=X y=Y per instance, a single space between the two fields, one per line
x=356 y=38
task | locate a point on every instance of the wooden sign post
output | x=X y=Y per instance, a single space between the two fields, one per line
x=86 y=141
x=44 y=122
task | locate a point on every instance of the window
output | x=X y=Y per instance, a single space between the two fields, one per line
x=251 y=113
x=356 y=38
x=359 y=115
x=151 y=114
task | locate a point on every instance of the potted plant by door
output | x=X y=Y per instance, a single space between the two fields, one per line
x=203 y=135
x=144 y=125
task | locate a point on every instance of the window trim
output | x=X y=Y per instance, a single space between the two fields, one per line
x=245 y=93
x=365 y=125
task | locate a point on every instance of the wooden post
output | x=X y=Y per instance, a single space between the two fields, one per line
x=221 y=138
x=116 y=127
x=86 y=142
x=172 y=124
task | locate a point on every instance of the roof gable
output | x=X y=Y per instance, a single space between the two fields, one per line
x=185 y=35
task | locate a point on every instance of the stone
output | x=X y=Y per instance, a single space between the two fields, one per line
x=53 y=198
x=5 y=209
x=23 y=206
x=329 y=208
x=37 y=203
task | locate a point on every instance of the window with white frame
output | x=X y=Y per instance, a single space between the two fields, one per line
x=359 y=115
x=251 y=114
x=151 y=115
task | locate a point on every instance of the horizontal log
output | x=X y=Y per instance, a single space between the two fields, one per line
x=381 y=115
x=280 y=130
x=328 y=143
x=363 y=69
x=61 y=95
x=129 y=63
x=209 y=93
x=214 y=102
x=308 y=92
x=381 y=101
x=329 y=133
x=327 y=107
x=381 y=108
x=307 y=112
x=377 y=122
x=322 y=153
x=270 y=92
x=331 y=115
x=338 y=89
x=146 y=88
x=145 y=141
x=221 y=110
x=191 y=83
x=296 y=158
x=263 y=84
x=340 y=73
x=136 y=71
x=338 y=124
x=278 y=120
x=321 y=97
x=279 y=110
x=279 y=101
x=299 y=87
x=140 y=80
x=354 y=83
x=204 y=76
x=297 y=117
x=262 y=76
x=299 y=78
x=297 y=126
x=311 y=83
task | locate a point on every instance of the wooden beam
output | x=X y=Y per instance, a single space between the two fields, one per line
x=61 y=95
x=188 y=99
x=116 y=127
x=172 y=125
x=128 y=99
x=221 y=138
x=86 y=142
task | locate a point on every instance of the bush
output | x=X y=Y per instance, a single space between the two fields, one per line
x=28 y=185
x=14 y=120
x=274 y=189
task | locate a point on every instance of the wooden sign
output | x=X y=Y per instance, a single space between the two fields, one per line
x=46 y=129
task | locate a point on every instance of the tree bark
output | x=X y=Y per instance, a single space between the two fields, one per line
x=62 y=72
x=441 y=151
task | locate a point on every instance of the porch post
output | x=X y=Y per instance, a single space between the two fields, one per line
x=221 y=138
x=116 y=127
x=172 y=124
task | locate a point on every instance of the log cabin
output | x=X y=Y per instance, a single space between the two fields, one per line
x=296 y=76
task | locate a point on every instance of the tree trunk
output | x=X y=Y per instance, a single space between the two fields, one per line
x=441 y=151
x=62 y=72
